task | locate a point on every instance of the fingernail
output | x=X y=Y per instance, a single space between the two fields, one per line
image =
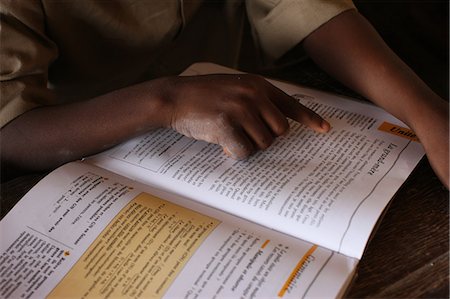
x=325 y=125
x=229 y=154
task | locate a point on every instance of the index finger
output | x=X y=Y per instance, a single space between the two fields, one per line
x=290 y=107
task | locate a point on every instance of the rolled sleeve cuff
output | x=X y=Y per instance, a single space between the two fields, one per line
x=290 y=21
x=21 y=95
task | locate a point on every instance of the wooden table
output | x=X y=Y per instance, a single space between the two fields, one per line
x=408 y=255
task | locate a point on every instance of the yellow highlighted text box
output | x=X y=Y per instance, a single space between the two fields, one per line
x=139 y=253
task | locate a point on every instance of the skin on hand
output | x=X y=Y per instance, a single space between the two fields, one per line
x=241 y=113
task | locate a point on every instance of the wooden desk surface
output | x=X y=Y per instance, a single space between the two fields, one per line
x=409 y=253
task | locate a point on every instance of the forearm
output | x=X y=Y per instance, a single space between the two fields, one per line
x=46 y=137
x=241 y=113
x=350 y=49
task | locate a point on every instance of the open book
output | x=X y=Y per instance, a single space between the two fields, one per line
x=163 y=215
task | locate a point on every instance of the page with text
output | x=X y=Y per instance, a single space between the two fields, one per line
x=84 y=232
x=328 y=189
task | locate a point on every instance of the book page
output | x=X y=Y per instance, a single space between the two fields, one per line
x=328 y=189
x=84 y=232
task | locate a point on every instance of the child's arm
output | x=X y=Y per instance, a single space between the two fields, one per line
x=242 y=113
x=351 y=50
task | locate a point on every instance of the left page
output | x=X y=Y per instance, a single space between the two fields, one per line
x=84 y=232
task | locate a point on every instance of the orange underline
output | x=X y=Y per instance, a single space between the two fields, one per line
x=296 y=269
x=265 y=244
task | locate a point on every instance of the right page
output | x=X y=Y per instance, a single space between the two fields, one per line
x=327 y=189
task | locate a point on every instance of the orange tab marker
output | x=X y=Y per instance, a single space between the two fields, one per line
x=296 y=269
x=399 y=131
x=265 y=244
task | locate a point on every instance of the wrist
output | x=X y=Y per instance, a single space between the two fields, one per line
x=148 y=103
x=432 y=112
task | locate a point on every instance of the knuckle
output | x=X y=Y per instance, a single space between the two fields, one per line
x=224 y=123
x=247 y=90
x=240 y=105
x=250 y=84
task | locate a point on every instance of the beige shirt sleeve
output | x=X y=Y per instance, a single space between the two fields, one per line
x=279 y=25
x=25 y=54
